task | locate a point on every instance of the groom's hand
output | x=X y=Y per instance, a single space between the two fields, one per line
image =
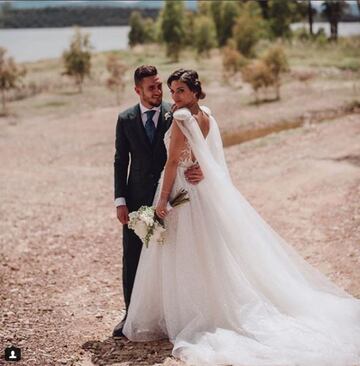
x=122 y=214
x=194 y=174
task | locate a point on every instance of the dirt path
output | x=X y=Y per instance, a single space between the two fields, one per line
x=60 y=245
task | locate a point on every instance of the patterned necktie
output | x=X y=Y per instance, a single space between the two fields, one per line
x=150 y=125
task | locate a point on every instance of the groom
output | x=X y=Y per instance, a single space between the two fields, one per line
x=139 y=142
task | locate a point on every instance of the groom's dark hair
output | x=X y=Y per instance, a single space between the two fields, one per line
x=144 y=71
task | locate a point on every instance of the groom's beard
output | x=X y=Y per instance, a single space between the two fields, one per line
x=155 y=103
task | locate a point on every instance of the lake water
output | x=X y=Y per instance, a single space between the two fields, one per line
x=344 y=29
x=42 y=43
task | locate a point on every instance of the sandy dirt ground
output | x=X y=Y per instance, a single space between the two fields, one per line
x=60 y=243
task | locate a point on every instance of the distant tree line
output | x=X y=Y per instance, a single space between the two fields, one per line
x=218 y=21
x=236 y=27
x=107 y=16
x=68 y=17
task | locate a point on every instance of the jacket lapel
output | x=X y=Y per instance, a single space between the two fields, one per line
x=141 y=129
x=161 y=128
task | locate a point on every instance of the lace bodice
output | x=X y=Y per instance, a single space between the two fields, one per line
x=185 y=159
x=186 y=155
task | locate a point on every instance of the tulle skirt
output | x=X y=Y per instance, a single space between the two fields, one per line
x=226 y=289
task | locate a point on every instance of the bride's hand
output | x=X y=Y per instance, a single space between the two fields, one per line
x=161 y=210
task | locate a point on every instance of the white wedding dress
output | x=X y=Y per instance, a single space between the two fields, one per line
x=226 y=289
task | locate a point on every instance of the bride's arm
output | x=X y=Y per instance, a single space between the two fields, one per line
x=177 y=144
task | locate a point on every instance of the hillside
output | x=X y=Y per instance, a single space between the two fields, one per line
x=47 y=14
x=69 y=16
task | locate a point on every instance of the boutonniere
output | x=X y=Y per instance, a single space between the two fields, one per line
x=168 y=115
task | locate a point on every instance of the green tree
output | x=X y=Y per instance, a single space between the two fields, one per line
x=248 y=29
x=150 y=30
x=229 y=13
x=203 y=7
x=280 y=17
x=215 y=9
x=77 y=59
x=141 y=30
x=158 y=28
x=172 y=28
x=311 y=13
x=204 y=34
x=251 y=7
x=333 y=10
x=189 y=27
x=264 y=5
x=137 y=29
x=10 y=76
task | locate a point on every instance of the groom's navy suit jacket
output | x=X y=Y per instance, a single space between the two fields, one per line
x=137 y=168
x=138 y=163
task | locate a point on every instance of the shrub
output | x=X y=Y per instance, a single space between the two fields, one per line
x=77 y=59
x=276 y=60
x=137 y=30
x=233 y=60
x=266 y=72
x=248 y=29
x=281 y=14
x=172 y=28
x=10 y=76
x=204 y=34
x=115 y=81
x=258 y=74
x=141 y=30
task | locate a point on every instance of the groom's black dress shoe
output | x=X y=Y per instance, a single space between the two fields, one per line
x=117 y=332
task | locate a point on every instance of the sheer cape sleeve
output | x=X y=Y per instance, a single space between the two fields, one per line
x=267 y=246
x=212 y=147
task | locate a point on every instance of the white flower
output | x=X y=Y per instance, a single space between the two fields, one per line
x=141 y=229
x=158 y=234
x=145 y=226
x=167 y=115
x=133 y=216
x=147 y=216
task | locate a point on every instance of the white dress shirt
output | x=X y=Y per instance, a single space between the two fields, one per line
x=121 y=200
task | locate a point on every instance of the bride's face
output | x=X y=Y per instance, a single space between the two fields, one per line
x=182 y=95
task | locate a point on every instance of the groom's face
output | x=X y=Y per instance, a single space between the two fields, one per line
x=150 y=91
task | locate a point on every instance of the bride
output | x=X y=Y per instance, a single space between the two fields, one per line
x=225 y=288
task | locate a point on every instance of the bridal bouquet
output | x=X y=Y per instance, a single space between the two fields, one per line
x=147 y=225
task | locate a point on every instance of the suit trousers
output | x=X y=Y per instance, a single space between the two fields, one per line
x=132 y=246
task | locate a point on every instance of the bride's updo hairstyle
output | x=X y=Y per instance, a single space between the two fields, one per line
x=190 y=78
